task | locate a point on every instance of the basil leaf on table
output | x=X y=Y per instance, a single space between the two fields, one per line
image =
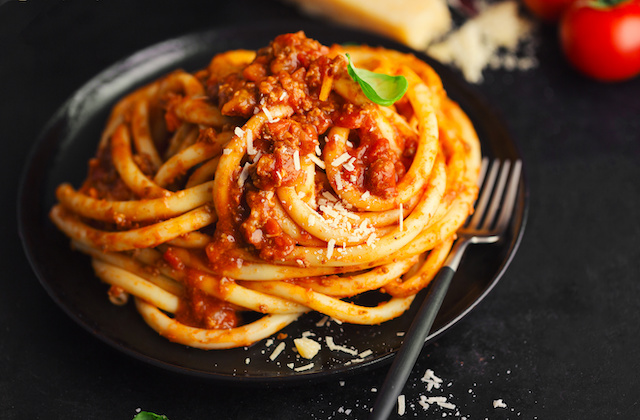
x=146 y=415
x=380 y=88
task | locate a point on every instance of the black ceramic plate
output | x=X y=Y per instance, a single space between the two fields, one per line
x=70 y=139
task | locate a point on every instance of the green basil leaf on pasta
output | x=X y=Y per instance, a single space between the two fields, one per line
x=381 y=88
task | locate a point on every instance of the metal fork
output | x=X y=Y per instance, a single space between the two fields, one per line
x=493 y=212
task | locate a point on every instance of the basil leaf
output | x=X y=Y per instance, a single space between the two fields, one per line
x=146 y=415
x=380 y=88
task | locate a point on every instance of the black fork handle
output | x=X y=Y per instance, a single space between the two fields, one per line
x=413 y=343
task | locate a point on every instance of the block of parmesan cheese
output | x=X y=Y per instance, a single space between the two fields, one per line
x=415 y=23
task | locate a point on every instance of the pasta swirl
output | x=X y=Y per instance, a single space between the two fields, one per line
x=268 y=183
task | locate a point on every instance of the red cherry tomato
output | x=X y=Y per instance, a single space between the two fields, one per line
x=601 y=38
x=548 y=10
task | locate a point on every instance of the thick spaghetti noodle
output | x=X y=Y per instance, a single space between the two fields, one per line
x=268 y=183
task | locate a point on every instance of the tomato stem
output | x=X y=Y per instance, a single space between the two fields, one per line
x=606 y=4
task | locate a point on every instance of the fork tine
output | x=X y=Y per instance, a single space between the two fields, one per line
x=509 y=197
x=485 y=193
x=497 y=195
x=483 y=170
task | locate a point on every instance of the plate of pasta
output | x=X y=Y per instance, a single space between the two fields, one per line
x=262 y=203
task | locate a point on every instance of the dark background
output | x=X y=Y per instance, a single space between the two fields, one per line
x=558 y=338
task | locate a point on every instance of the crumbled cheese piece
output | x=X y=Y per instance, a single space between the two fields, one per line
x=247 y=361
x=296 y=160
x=238 y=132
x=307 y=347
x=256 y=236
x=226 y=151
x=499 y=404
x=276 y=352
x=401 y=405
x=366 y=195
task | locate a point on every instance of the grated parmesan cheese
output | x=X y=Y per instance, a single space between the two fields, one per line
x=267 y=113
x=432 y=380
x=489 y=39
x=349 y=165
x=330 y=245
x=401 y=405
x=339 y=181
x=322 y=321
x=296 y=160
x=335 y=347
x=303 y=368
x=317 y=161
x=276 y=352
x=341 y=159
x=244 y=174
x=250 y=149
x=365 y=353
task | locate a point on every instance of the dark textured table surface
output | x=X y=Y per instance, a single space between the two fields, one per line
x=558 y=338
